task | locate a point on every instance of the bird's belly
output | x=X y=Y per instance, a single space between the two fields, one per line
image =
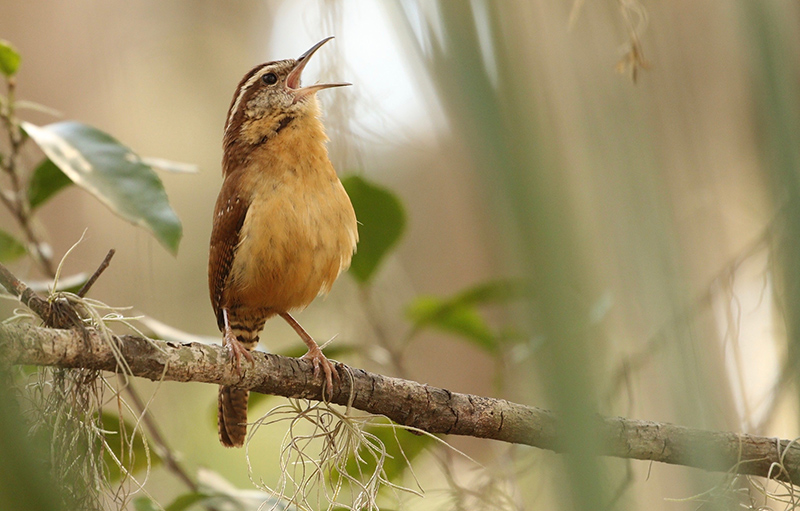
x=295 y=241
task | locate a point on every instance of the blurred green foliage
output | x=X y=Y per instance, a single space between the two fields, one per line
x=47 y=180
x=10 y=248
x=181 y=503
x=25 y=482
x=459 y=313
x=773 y=55
x=382 y=221
x=9 y=59
x=495 y=112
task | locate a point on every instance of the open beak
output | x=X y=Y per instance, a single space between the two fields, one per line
x=293 y=80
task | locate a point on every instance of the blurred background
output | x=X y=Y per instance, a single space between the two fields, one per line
x=634 y=164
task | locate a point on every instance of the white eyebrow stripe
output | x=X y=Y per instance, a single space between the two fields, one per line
x=244 y=88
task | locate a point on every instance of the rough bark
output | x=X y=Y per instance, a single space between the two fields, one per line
x=432 y=409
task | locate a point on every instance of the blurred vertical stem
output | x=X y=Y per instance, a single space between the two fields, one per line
x=502 y=123
x=775 y=72
x=17 y=201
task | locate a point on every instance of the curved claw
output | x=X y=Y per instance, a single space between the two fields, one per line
x=320 y=361
x=237 y=351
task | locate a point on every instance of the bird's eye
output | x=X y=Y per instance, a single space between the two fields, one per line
x=269 y=78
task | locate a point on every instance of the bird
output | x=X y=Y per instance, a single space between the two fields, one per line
x=283 y=226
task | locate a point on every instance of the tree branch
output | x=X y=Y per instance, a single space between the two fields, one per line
x=406 y=402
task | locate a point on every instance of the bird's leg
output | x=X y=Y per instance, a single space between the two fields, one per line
x=236 y=348
x=315 y=355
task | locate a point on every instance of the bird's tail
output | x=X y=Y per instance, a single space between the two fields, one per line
x=232 y=403
x=232 y=416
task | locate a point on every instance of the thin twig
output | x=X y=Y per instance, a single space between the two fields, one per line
x=100 y=269
x=164 y=450
x=166 y=453
x=19 y=206
x=381 y=337
x=14 y=138
x=25 y=294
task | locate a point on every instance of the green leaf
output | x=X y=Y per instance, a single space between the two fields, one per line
x=382 y=221
x=133 y=457
x=454 y=317
x=111 y=172
x=144 y=504
x=10 y=248
x=493 y=291
x=9 y=59
x=187 y=500
x=459 y=314
x=46 y=181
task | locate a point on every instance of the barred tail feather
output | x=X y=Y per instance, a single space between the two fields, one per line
x=232 y=416
x=232 y=403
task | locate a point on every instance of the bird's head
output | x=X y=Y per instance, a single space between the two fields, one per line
x=270 y=97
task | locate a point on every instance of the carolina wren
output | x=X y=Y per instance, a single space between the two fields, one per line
x=284 y=227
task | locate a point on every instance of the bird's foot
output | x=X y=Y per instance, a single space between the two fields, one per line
x=236 y=350
x=320 y=361
x=314 y=354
